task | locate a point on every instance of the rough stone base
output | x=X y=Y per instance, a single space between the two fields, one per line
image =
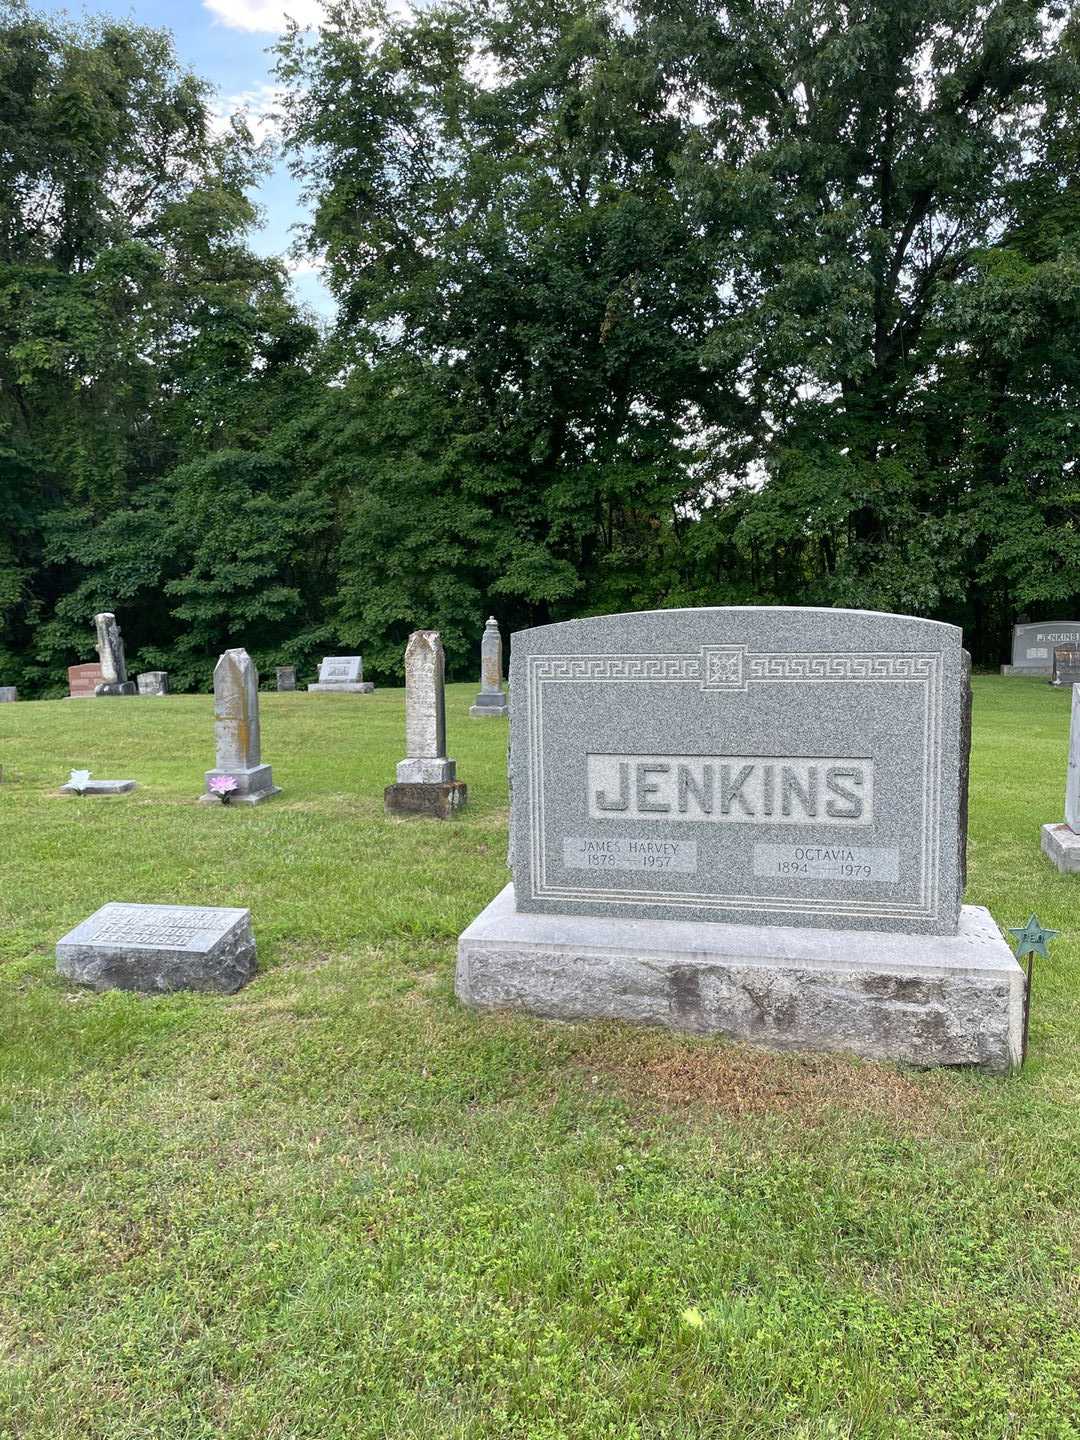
x=106 y=691
x=1062 y=845
x=254 y=786
x=438 y=802
x=361 y=687
x=100 y=787
x=921 y=999
x=478 y=709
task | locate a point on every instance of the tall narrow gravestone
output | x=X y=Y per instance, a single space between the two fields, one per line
x=491 y=700
x=110 y=648
x=236 y=730
x=747 y=821
x=426 y=783
x=1062 y=842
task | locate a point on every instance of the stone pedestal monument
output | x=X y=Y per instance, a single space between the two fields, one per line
x=426 y=779
x=236 y=730
x=153 y=682
x=491 y=700
x=748 y=822
x=342 y=675
x=1062 y=842
x=110 y=648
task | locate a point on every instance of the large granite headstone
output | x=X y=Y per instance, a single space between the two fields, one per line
x=286 y=677
x=1062 y=842
x=342 y=675
x=236 y=730
x=8 y=693
x=426 y=778
x=153 y=682
x=748 y=821
x=110 y=647
x=160 y=948
x=491 y=700
x=83 y=681
x=1033 y=645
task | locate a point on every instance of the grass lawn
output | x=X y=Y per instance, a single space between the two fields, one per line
x=337 y=1205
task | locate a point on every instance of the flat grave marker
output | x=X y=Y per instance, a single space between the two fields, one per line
x=160 y=948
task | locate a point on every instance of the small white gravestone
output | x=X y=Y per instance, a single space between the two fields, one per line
x=342 y=675
x=491 y=700
x=160 y=948
x=1062 y=842
x=236 y=729
x=153 y=682
x=426 y=778
x=83 y=784
x=8 y=693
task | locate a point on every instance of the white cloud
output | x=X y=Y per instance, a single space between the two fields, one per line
x=259 y=106
x=264 y=16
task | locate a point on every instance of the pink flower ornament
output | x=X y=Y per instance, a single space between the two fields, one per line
x=224 y=786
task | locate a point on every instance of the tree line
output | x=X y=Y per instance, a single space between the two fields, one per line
x=645 y=305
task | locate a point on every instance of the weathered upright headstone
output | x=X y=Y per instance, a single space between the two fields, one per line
x=1066 y=665
x=748 y=821
x=236 y=730
x=83 y=681
x=8 y=693
x=426 y=783
x=286 y=677
x=153 y=682
x=1033 y=645
x=110 y=648
x=491 y=700
x=342 y=675
x=160 y=948
x=1062 y=842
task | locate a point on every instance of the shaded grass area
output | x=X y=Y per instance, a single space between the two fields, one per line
x=338 y=1205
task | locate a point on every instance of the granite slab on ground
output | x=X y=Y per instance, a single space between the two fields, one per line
x=160 y=948
x=100 y=787
x=941 y=1000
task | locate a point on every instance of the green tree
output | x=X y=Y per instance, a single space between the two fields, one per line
x=138 y=331
x=691 y=280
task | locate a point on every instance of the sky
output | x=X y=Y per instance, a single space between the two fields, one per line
x=227 y=43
